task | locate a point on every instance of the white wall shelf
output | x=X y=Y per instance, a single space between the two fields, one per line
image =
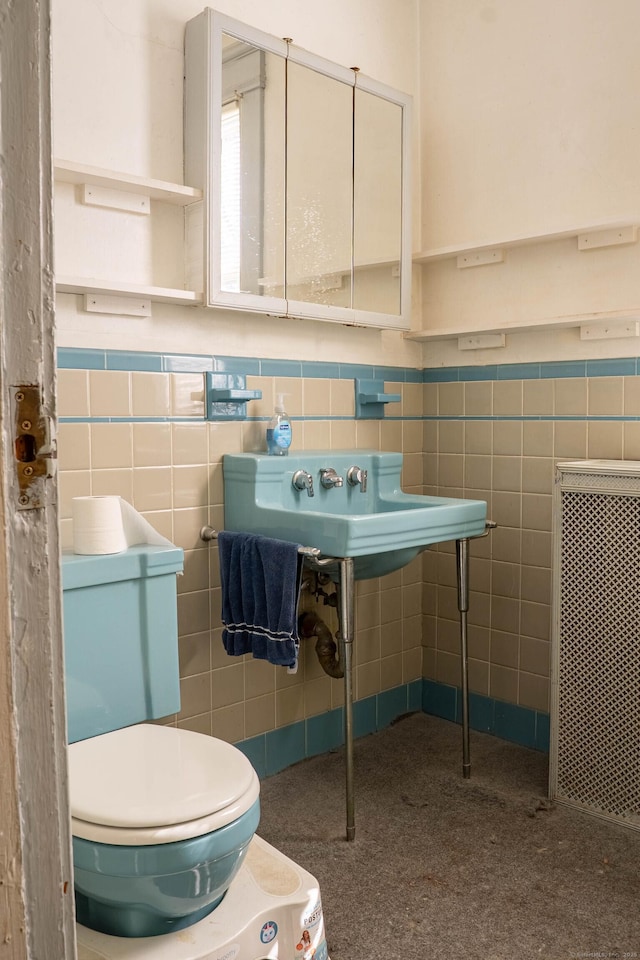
x=449 y=253
x=65 y=171
x=546 y=323
x=175 y=194
x=81 y=285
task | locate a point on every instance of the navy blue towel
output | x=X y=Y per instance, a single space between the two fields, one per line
x=260 y=580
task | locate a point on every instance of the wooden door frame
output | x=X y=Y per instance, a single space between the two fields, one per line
x=36 y=883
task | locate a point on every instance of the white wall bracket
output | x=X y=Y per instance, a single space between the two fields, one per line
x=118 y=306
x=479 y=258
x=608 y=238
x=610 y=330
x=483 y=341
x=93 y=196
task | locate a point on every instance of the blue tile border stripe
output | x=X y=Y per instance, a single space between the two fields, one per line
x=522 y=725
x=77 y=358
x=273 y=751
x=277 y=749
x=466 y=418
x=551 y=370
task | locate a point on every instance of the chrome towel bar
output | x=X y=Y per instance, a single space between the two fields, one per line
x=208 y=534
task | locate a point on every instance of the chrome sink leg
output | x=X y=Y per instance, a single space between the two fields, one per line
x=462 y=563
x=346 y=606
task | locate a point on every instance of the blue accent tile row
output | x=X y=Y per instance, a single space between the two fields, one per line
x=519 y=371
x=563 y=369
x=529 y=728
x=72 y=358
x=285 y=746
x=274 y=751
x=247 y=365
x=327 y=371
x=489 y=372
x=552 y=370
x=89 y=359
x=325 y=732
x=80 y=359
x=130 y=419
x=125 y=360
x=464 y=418
x=365 y=716
x=177 y=363
x=281 y=368
x=612 y=368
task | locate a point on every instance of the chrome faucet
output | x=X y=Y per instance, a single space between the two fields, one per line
x=301 y=480
x=355 y=476
x=329 y=478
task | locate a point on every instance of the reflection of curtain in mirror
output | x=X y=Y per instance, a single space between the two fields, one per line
x=230 y=198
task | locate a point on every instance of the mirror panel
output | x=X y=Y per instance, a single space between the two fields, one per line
x=252 y=170
x=377 y=218
x=319 y=187
x=304 y=167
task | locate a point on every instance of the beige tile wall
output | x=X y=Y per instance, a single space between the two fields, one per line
x=171 y=471
x=510 y=464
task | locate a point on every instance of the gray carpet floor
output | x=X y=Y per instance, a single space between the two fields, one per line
x=442 y=867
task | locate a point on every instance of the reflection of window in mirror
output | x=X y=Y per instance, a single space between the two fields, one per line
x=252 y=92
x=230 y=198
x=242 y=106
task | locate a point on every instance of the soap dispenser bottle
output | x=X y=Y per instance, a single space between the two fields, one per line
x=279 y=434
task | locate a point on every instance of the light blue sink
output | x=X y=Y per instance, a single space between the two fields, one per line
x=382 y=528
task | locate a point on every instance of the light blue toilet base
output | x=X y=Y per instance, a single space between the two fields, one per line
x=147 y=891
x=132 y=921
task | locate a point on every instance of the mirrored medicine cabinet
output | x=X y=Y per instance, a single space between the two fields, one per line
x=304 y=168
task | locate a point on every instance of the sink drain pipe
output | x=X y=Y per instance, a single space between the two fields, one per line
x=311 y=625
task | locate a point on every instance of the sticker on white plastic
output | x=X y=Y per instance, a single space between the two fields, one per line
x=269 y=931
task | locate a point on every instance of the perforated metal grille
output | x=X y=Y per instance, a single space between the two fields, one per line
x=597 y=730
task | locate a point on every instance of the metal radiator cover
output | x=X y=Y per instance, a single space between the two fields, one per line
x=595 y=703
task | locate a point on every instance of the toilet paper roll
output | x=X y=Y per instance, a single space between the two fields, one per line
x=98 y=526
x=103 y=525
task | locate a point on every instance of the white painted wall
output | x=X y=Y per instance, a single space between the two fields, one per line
x=529 y=125
x=117 y=87
x=529 y=119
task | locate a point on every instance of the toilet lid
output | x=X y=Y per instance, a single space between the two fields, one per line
x=155 y=784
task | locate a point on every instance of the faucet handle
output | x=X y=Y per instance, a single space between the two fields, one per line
x=329 y=478
x=356 y=475
x=302 y=480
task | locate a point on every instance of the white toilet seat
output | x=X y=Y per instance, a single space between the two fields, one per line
x=151 y=784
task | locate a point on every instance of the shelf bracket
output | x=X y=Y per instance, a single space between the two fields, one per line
x=120 y=306
x=479 y=258
x=617 y=236
x=93 y=196
x=227 y=396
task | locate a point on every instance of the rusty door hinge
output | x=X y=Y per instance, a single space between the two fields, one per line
x=34 y=445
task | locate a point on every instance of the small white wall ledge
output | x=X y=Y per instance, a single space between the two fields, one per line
x=66 y=171
x=82 y=285
x=610 y=229
x=594 y=322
